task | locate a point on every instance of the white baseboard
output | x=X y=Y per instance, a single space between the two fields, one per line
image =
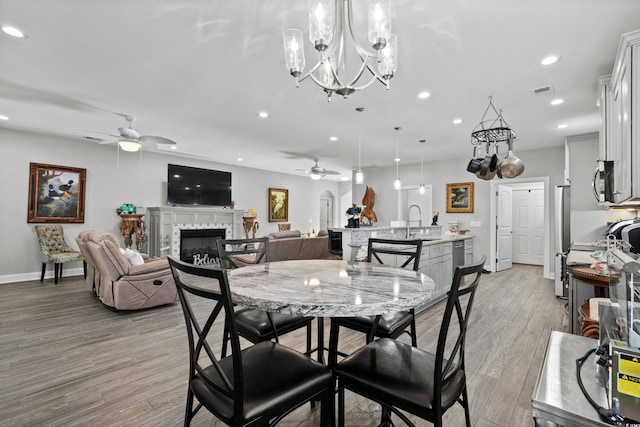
x=25 y=277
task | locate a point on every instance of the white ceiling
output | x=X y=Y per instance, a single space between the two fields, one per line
x=198 y=72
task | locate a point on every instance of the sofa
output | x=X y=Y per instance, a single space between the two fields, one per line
x=290 y=245
x=128 y=281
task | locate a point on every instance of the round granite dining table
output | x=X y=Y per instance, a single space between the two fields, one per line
x=329 y=288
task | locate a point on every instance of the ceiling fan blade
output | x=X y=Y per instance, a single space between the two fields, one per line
x=109 y=142
x=148 y=139
x=331 y=172
x=100 y=133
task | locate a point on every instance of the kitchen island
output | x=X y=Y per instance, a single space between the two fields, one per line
x=441 y=252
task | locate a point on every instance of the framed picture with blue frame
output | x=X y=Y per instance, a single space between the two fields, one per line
x=56 y=194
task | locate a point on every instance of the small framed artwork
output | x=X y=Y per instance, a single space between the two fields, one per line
x=278 y=205
x=460 y=197
x=56 y=193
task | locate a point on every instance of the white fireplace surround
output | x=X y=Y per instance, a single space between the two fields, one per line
x=165 y=223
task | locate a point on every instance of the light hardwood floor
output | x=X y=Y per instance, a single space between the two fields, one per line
x=67 y=360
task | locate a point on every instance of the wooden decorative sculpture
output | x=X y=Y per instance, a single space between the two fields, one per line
x=367 y=202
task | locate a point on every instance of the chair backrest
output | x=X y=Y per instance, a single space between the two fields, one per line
x=211 y=284
x=51 y=239
x=449 y=365
x=227 y=249
x=412 y=249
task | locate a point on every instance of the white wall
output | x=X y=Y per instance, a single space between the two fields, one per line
x=142 y=183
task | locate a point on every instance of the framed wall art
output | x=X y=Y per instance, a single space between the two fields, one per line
x=56 y=193
x=278 y=205
x=460 y=197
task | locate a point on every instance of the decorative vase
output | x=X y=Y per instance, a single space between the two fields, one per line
x=250 y=226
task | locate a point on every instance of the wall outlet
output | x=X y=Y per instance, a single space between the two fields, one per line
x=475 y=224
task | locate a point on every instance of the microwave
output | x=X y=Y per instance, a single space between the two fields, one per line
x=603 y=181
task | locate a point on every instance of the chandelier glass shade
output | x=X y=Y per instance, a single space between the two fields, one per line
x=331 y=32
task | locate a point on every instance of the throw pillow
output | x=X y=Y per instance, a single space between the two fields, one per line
x=134 y=257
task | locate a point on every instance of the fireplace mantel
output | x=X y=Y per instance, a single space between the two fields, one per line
x=165 y=223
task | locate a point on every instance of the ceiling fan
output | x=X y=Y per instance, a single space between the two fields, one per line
x=131 y=140
x=317 y=172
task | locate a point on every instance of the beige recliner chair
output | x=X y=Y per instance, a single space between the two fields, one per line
x=125 y=286
x=90 y=265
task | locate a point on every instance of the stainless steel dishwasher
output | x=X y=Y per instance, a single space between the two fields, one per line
x=458 y=254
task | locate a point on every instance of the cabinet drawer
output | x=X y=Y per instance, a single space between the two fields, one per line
x=468 y=244
x=439 y=249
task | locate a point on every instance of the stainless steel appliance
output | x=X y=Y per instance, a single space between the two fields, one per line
x=603 y=181
x=458 y=254
x=562 y=238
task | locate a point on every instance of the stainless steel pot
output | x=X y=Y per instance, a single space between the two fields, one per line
x=511 y=166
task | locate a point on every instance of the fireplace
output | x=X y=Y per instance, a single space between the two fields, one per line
x=198 y=247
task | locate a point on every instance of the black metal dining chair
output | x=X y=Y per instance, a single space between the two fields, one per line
x=256 y=386
x=405 y=378
x=390 y=325
x=257 y=325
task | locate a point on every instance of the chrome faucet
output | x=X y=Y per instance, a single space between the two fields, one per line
x=409 y=220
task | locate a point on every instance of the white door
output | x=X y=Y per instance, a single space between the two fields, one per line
x=528 y=226
x=504 y=228
x=326 y=206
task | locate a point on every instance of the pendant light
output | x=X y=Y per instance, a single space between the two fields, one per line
x=359 y=174
x=397 y=184
x=422 y=188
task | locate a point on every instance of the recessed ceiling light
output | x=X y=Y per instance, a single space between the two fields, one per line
x=239 y=159
x=263 y=114
x=457 y=121
x=13 y=32
x=551 y=59
x=4 y=118
x=563 y=126
x=424 y=95
x=173 y=147
x=397 y=159
x=344 y=178
x=333 y=138
x=557 y=101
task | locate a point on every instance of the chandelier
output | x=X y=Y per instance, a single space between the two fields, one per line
x=330 y=31
x=489 y=134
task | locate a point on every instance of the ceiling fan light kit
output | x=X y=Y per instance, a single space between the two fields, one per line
x=330 y=31
x=489 y=133
x=130 y=146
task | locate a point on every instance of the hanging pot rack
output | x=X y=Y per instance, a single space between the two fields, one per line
x=492 y=131
x=488 y=133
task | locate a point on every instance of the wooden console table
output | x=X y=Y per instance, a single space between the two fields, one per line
x=131 y=224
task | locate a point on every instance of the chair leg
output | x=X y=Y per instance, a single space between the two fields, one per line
x=414 y=333
x=465 y=405
x=60 y=272
x=56 y=270
x=84 y=268
x=189 y=411
x=333 y=343
x=309 y=339
x=340 y=406
x=44 y=267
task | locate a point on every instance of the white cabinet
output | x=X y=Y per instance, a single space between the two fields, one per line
x=468 y=252
x=437 y=262
x=606 y=113
x=623 y=120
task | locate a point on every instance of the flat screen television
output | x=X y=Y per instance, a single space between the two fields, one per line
x=187 y=185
